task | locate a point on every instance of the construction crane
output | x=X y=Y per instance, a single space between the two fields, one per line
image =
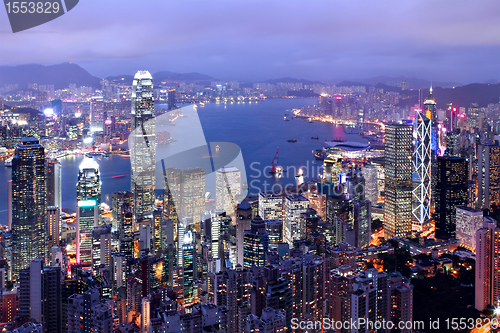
x=275 y=162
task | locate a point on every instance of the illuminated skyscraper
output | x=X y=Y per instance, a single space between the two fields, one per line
x=227 y=189
x=370 y=175
x=451 y=192
x=469 y=221
x=294 y=205
x=53 y=226
x=398 y=181
x=255 y=244
x=54 y=189
x=488 y=177
x=142 y=146
x=101 y=243
x=29 y=228
x=270 y=206
x=332 y=167
x=423 y=170
x=188 y=268
x=118 y=200
x=88 y=196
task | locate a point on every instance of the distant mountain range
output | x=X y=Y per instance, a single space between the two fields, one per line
x=412 y=83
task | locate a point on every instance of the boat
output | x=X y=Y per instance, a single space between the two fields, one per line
x=292 y=141
x=320 y=155
x=202 y=104
x=286 y=118
x=310 y=120
x=8 y=162
x=314 y=138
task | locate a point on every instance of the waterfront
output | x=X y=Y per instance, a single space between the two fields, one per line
x=258 y=128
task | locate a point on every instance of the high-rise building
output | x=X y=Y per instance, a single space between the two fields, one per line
x=40 y=295
x=468 y=222
x=295 y=205
x=28 y=204
x=186 y=189
x=87 y=314
x=274 y=230
x=255 y=244
x=142 y=146
x=362 y=223
x=370 y=174
x=188 y=269
x=270 y=206
x=332 y=168
x=451 y=192
x=487 y=281
x=101 y=247
x=271 y=321
x=171 y=100
x=97 y=109
x=400 y=300
x=227 y=189
x=54 y=184
x=422 y=163
x=53 y=226
x=488 y=178
x=118 y=199
x=398 y=180
x=88 y=196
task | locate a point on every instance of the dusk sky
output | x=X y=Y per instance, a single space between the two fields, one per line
x=259 y=40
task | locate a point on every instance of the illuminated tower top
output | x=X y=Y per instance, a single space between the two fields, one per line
x=89 y=183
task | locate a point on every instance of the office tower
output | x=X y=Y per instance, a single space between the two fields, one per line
x=398 y=191
x=370 y=174
x=40 y=295
x=430 y=112
x=271 y=321
x=295 y=204
x=243 y=218
x=88 y=196
x=270 y=206
x=8 y=305
x=54 y=189
x=28 y=204
x=97 y=106
x=339 y=288
x=362 y=223
x=144 y=239
x=274 y=230
x=400 y=300
x=468 y=222
x=227 y=189
x=255 y=244
x=487 y=282
x=53 y=226
x=157 y=232
x=369 y=300
x=239 y=285
x=126 y=232
x=340 y=214
x=312 y=288
x=332 y=168
x=187 y=191
x=423 y=169
x=142 y=146
x=451 y=192
x=188 y=269
x=101 y=247
x=87 y=314
x=488 y=178
x=219 y=223
x=317 y=202
x=278 y=294
x=453 y=143
x=118 y=199
x=171 y=100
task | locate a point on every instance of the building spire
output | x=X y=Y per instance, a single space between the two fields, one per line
x=431 y=89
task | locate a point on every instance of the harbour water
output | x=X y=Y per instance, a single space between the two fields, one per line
x=258 y=128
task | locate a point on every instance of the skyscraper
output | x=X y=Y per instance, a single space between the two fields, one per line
x=255 y=244
x=451 y=192
x=53 y=226
x=270 y=206
x=28 y=204
x=142 y=146
x=294 y=205
x=370 y=175
x=423 y=170
x=54 y=185
x=487 y=281
x=398 y=170
x=88 y=196
x=488 y=177
x=117 y=201
x=227 y=189
x=468 y=222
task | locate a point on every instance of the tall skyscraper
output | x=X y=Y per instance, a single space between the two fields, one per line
x=423 y=169
x=28 y=204
x=398 y=180
x=53 y=226
x=88 y=196
x=172 y=102
x=488 y=177
x=370 y=175
x=142 y=146
x=101 y=247
x=468 y=222
x=54 y=184
x=487 y=281
x=294 y=205
x=227 y=189
x=255 y=244
x=270 y=206
x=117 y=201
x=332 y=167
x=185 y=193
x=451 y=192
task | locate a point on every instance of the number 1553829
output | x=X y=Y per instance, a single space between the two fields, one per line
x=32 y=7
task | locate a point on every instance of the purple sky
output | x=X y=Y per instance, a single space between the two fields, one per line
x=261 y=39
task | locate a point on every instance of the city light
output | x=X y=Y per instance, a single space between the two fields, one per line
x=87 y=203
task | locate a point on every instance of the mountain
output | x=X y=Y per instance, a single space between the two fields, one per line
x=60 y=75
x=162 y=76
x=480 y=93
x=413 y=83
x=291 y=80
